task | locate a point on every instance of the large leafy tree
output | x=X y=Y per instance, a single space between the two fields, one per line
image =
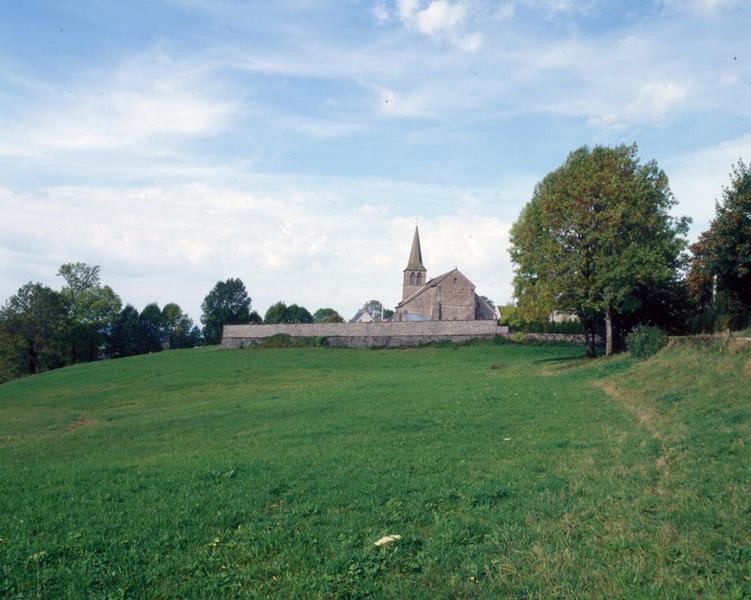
x=226 y=304
x=327 y=315
x=92 y=309
x=722 y=256
x=596 y=234
x=32 y=327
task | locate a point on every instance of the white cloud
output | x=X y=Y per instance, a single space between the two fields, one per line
x=148 y=98
x=318 y=243
x=655 y=99
x=703 y=7
x=439 y=19
x=381 y=13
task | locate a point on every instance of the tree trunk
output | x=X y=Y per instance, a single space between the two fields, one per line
x=33 y=361
x=590 y=339
x=608 y=332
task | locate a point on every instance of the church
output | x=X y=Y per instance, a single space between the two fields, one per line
x=448 y=297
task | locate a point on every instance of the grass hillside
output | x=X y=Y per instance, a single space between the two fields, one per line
x=508 y=471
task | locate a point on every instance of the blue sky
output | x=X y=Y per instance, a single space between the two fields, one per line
x=296 y=144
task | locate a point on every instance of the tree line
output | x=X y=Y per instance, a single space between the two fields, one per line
x=42 y=328
x=598 y=240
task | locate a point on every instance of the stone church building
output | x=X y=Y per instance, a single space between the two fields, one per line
x=448 y=297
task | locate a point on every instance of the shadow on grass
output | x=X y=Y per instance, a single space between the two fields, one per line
x=558 y=359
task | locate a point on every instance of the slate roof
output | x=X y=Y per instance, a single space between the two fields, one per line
x=432 y=283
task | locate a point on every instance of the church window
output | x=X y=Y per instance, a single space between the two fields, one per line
x=411 y=279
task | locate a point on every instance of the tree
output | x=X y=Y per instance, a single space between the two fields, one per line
x=327 y=315
x=227 y=303
x=152 y=329
x=489 y=302
x=281 y=313
x=92 y=309
x=387 y=314
x=125 y=337
x=32 y=327
x=722 y=255
x=297 y=314
x=275 y=313
x=179 y=330
x=374 y=309
x=596 y=231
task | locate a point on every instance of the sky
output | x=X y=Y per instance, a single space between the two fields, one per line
x=296 y=144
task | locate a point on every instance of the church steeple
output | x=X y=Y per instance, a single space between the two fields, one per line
x=415 y=273
x=415 y=256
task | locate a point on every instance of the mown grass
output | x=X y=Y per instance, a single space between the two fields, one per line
x=509 y=471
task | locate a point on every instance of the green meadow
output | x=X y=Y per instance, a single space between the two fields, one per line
x=508 y=471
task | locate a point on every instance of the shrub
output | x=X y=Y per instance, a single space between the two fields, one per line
x=646 y=340
x=283 y=340
x=499 y=340
x=518 y=337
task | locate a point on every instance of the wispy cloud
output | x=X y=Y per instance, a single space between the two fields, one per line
x=148 y=98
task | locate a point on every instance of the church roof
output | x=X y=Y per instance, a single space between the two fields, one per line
x=432 y=283
x=415 y=256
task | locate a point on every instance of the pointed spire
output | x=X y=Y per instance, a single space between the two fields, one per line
x=415 y=255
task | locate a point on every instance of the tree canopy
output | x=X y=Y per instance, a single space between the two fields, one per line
x=33 y=323
x=279 y=312
x=327 y=315
x=721 y=263
x=92 y=308
x=227 y=303
x=597 y=230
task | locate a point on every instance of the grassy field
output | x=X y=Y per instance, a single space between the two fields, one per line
x=508 y=471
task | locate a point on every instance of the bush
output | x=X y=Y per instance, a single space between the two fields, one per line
x=499 y=340
x=646 y=340
x=518 y=337
x=283 y=340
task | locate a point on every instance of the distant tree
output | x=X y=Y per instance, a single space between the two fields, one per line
x=488 y=301
x=255 y=318
x=33 y=323
x=275 y=313
x=387 y=314
x=374 y=309
x=297 y=314
x=722 y=256
x=281 y=313
x=597 y=228
x=327 y=315
x=125 y=337
x=92 y=309
x=227 y=303
x=179 y=330
x=152 y=329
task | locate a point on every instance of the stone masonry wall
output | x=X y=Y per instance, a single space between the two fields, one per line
x=398 y=333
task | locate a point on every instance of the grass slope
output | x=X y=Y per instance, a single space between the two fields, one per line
x=208 y=473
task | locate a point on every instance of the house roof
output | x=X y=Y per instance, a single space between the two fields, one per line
x=415 y=255
x=359 y=314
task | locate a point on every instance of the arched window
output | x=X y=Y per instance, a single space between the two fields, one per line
x=419 y=279
x=411 y=279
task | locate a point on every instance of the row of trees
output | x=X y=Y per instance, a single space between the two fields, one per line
x=598 y=240
x=42 y=328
